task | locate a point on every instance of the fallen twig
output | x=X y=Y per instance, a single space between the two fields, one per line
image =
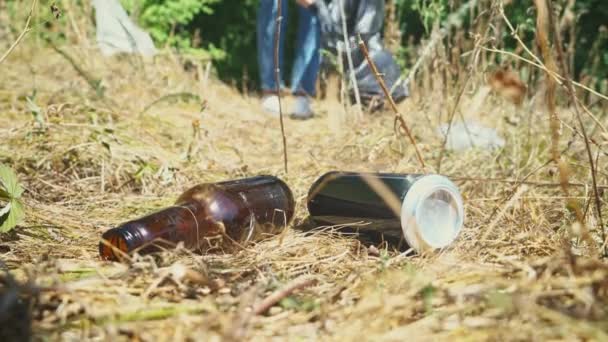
x=276 y=296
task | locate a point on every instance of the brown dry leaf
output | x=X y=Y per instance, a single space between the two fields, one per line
x=507 y=84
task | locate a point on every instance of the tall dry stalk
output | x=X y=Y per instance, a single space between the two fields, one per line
x=399 y=122
x=542 y=37
x=470 y=71
x=277 y=77
x=570 y=88
x=353 y=78
x=392 y=33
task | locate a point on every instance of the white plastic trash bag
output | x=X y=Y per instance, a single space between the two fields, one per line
x=117 y=33
x=463 y=136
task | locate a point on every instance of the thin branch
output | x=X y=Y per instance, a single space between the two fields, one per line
x=277 y=77
x=476 y=50
x=436 y=36
x=451 y=120
x=26 y=29
x=575 y=132
x=497 y=216
x=276 y=296
x=398 y=118
x=516 y=36
x=353 y=79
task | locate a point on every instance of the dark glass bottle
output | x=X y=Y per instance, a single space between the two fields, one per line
x=214 y=215
x=426 y=210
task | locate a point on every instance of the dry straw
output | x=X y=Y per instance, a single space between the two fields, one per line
x=516 y=272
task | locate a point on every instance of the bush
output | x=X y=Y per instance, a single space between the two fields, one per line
x=166 y=19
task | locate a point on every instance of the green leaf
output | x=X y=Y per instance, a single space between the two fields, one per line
x=14 y=216
x=10 y=191
x=8 y=180
x=35 y=110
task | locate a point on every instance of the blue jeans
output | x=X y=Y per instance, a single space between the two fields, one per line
x=307 y=57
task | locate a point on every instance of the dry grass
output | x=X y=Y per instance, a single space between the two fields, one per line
x=513 y=274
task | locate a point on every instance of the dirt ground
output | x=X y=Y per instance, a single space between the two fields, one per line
x=94 y=154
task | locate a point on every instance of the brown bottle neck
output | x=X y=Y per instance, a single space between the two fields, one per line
x=147 y=233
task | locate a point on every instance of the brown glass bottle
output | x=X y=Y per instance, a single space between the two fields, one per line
x=214 y=215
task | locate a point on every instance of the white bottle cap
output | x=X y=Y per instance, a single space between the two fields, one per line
x=432 y=213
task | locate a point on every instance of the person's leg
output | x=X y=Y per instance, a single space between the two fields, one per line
x=307 y=60
x=266 y=24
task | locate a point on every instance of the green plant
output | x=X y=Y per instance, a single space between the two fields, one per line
x=428 y=293
x=164 y=19
x=431 y=11
x=10 y=192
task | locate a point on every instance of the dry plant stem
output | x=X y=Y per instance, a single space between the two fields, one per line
x=277 y=77
x=542 y=23
x=572 y=93
x=398 y=118
x=353 y=79
x=276 y=296
x=450 y=121
x=436 y=36
x=512 y=181
x=522 y=189
x=26 y=29
x=515 y=192
x=577 y=133
x=343 y=83
x=457 y=102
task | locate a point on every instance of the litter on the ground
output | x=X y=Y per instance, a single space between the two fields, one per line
x=117 y=33
x=466 y=135
x=425 y=210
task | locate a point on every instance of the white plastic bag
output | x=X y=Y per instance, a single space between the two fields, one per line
x=463 y=136
x=117 y=33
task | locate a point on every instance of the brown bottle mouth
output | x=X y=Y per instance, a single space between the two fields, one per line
x=113 y=246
